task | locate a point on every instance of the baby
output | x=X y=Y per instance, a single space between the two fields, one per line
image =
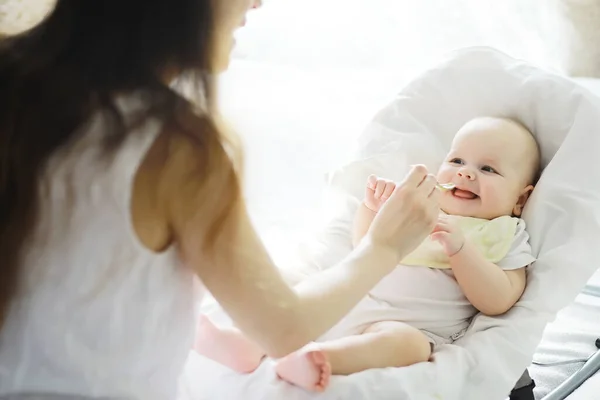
x=474 y=260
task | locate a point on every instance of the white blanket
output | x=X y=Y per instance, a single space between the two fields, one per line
x=563 y=217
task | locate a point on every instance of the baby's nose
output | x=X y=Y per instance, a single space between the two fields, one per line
x=466 y=173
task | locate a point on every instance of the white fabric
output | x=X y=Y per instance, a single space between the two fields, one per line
x=520 y=251
x=563 y=219
x=428 y=299
x=99 y=315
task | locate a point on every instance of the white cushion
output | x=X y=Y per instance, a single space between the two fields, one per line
x=562 y=216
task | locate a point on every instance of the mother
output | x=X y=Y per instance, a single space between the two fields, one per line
x=116 y=192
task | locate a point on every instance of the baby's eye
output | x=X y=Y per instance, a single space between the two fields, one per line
x=456 y=161
x=487 y=168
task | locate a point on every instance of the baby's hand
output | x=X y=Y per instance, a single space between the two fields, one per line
x=377 y=192
x=448 y=235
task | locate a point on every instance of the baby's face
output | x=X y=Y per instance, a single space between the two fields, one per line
x=491 y=162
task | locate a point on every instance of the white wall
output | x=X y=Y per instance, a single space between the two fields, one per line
x=393 y=33
x=309 y=74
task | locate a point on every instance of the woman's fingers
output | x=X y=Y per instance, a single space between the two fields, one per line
x=427 y=185
x=415 y=176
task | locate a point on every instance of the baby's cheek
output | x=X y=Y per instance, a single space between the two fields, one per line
x=444 y=175
x=498 y=201
x=491 y=196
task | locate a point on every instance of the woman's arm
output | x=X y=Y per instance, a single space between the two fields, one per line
x=281 y=319
x=241 y=276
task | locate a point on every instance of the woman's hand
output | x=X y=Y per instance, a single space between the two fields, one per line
x=409 y=215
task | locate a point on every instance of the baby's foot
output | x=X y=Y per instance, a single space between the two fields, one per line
x=308 y=369
x=227 y=346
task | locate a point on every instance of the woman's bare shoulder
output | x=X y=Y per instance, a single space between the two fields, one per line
x=167 y=182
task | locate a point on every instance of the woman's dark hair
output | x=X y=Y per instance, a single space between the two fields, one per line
x=56 y=76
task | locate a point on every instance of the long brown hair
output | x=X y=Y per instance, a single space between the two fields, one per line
x=54 y=77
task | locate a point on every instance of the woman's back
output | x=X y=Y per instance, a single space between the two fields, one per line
x=99 y=314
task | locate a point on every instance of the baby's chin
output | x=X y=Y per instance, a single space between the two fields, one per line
x=471 y=208
x=473 y=213
x=460 y=213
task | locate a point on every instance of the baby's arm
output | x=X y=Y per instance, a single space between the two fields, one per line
x=377 y=192
x=362 y=221
x=492 y=290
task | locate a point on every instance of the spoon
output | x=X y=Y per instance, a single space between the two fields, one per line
x=446 y=186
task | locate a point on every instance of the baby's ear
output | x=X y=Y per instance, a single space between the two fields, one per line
x=523 y=197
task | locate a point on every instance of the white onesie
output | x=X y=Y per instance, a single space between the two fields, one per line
x=429 y=299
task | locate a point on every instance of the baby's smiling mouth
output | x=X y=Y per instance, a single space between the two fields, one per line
x=464 y=194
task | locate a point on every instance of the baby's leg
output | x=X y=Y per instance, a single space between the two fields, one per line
x=383 y=344
x=227 y=346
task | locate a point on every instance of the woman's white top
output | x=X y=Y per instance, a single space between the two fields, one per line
x=98 y=313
